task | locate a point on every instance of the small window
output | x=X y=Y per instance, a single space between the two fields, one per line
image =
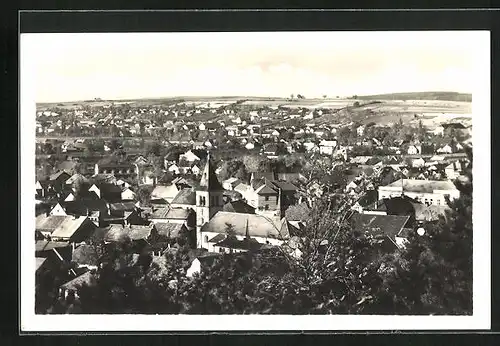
x=206 y=238
x=267 y=198
x=266 y=207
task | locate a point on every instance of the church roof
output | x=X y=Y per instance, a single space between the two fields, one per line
x=209 y=181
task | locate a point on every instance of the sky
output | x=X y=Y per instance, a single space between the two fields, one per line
x=70 y=67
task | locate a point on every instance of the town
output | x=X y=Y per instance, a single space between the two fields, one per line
x=181 y=191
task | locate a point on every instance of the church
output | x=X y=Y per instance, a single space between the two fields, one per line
x=214 y=225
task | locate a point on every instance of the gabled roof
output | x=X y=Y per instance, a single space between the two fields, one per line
x=122 y=206
x=285 y=186
x=238 y=207
x=266 y=187
x=171 y=213
x=69 y=226
x=85 y=279
x=117 y=233
x=57 y=175
x=219 y=237
x=171 y=230
x=139 y=232
x=185 y=196
x=45 y=223
x=209 y=181
x=85 y=254
x=377 y=225
x=162 y=191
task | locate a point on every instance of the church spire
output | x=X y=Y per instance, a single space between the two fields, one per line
x=209 y=181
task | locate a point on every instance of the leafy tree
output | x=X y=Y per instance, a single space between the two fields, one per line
x=144 y=195
x=252 y=163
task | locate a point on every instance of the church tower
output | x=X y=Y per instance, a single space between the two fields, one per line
x=208 y=200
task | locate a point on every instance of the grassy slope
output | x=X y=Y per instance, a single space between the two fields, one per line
x=427 y=95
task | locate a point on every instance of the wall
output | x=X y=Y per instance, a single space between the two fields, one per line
x=437 y=197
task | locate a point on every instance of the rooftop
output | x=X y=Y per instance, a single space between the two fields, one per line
x=185 y=196
x=388 y=225
x=257 y=225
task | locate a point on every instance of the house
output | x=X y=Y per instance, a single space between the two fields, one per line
x=119 y=170
x=291 y=177
x=438 y=131
x=327 y=147
x=171 y=230
x=454 y=169
x=127 y=194
x=80 y=207
x=235 y=245
x=167 y=193
x=45 y=248
x=58 y=179
x=77 y=177
x=231 y=183
x=429 y=213
x=414 y=149
x=107 y=191
x=265 y=198
x=173 y=169
x=250 y=146
x=65 y=228
x=360 y=130
x=85 y=256
x=420 y=162
x=385 y=228
x=204 y=260
x=195 y=169
x=185 y=198
x=238 y=206
x=425 y=191
x=189 y=156
x=445 y=149
x=259 y=227
x=72 y=287
x=180 y=216
x=44 y=189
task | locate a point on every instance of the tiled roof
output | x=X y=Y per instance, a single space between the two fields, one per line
x=85 y=254
x=266 y=187
x=217 y=238
x=45 y=223
x=257 y=225
x=69 y=226
x=46 y=245
x=171 y=230
x=85 y=279
x=238 y=207
x=139 y=232
x=122 y=206
x=161 y=191
x=57 y=175
x=185 y=196
x=285 y=186
x=388 y=225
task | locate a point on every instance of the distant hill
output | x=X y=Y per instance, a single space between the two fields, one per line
x=426 y=95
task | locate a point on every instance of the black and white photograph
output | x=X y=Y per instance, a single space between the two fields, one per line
x=255 y=180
